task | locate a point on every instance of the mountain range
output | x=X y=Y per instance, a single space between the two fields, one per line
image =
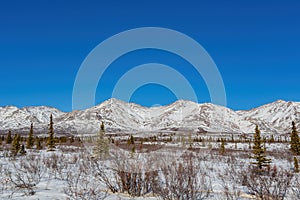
x=181 y=115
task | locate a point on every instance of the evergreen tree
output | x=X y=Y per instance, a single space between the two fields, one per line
x=258 y=151
x=295 y=142
x=133 y=149
x=272 y=140
x=30 y=139
x=22 y=150
x=190 y=141
x=130 y=140
x=38 y=143
x=8 y=138
x=296 y=165
x=51 y=141
x=16 y=144
x=183 y=143
x=222 y=146
x=232 y=138
x=101 y=149
x=132 y=152
x=72 y=139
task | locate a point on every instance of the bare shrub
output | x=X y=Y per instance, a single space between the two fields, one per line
x=295 y=187
x=139 y=176
x=4 y=181
x=56 y=165
x=126 y=175
x=135 y=184
x=25 y=173
x=270 y=184
x=82 y=182
x=231 y=179
x=184 y=179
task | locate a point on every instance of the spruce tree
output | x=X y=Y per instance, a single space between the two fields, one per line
x=22 y=150
x=72 y=139
x=131 y=139
x=133 y=149
x=101 y=149
x=30 y=139
x=258 y=151
x=51 y=141
x=190 y=140
x=295 y=142
x=38 y=143
x=16 y=144
x=296 y=165
x=8 y=138
x=272 y=140
x=222 y=146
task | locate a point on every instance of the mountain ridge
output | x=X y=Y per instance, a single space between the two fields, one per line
x=184 y=115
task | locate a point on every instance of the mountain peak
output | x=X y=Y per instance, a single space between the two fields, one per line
x=279 y=101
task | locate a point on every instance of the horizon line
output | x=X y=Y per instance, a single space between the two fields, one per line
x=200 y=103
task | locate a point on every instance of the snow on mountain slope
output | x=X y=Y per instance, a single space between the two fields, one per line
x=116 y=114
x=184 y=115
x=275 y=117
x=12 y=118
x=189 y=115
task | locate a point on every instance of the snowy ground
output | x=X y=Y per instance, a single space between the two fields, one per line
x=70 y=173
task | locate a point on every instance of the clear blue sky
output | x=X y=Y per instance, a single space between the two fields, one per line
x=255 y=44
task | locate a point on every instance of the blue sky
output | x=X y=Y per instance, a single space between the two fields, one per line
x=255 y=45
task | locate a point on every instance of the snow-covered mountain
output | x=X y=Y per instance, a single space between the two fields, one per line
x=182 y=115
x=274 y=117
x=13 y=118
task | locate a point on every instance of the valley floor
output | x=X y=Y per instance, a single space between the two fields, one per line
x=180 y=169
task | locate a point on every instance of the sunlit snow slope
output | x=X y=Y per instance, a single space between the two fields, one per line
x=182 y=115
